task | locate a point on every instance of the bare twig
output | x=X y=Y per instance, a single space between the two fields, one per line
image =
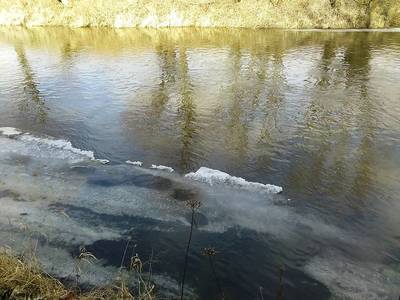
x=193 y=204
x=211 y=253
x=279 y=295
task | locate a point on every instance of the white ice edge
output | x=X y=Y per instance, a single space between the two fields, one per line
x=162 y=168
x=134 y=163
x=58 y=144
x=103 y=161
x=212 y=177
x=54 y=143
x=10 y=131
x=204 y=174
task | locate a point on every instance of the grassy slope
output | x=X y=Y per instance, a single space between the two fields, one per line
x=202 y=13
x=23 y=279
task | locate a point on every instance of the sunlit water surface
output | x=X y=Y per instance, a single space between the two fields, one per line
x=317 y=113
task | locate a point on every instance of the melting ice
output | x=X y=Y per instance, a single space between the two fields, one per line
x=41 y=178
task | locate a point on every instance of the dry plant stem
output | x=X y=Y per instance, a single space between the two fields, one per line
x=193 y=204
x=30 y=282
x=150 y=266
x=187 y=253
x=220 y=290
x=279 y=295
x=124 y=255
x=210 y=252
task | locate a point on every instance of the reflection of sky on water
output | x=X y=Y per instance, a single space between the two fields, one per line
x=317 y=113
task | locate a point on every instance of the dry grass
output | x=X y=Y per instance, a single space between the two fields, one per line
x=24 y=279
x=200 y=13
x=19 y=279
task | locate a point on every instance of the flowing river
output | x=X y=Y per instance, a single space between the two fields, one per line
x=290 y=140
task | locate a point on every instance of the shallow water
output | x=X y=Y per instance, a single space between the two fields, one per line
x=317 y=113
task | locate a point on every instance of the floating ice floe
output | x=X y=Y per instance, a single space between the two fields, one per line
x=9 y=131
x=211 y=177
x=53 y=143
x=64 y=208
x=58 y=144
x=162 y=168
x=103 y=161
x=134 y=163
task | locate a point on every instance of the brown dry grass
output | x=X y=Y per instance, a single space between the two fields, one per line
x=24 y=279
x=201 y=13
x=19 y=279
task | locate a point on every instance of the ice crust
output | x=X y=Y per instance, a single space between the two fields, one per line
x=38 y=178
x=162 y=168
x=212 y=177
x=134 y=163
x=9 y=131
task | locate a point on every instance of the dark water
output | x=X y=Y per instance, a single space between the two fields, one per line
x=317 y=113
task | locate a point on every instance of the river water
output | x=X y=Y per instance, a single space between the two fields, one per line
x=316 y=113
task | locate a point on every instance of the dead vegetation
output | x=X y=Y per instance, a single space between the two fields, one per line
x=23 y=278
x=203 y=13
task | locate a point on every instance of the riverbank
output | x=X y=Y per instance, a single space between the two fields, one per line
x=201 y=13
x=22 y=278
